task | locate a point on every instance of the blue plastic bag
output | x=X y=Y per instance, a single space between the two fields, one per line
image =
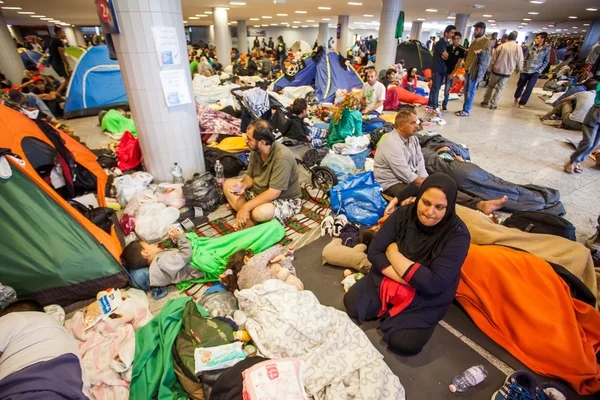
x=359 y=198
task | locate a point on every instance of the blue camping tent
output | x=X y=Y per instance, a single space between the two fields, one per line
x=325 y=73
x=30 y=57
x=95 y=84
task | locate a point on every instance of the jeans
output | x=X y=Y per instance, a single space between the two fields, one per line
x=33 y=101
x=496 y=82
x=436 y=83
x=447 y=87
x=591 y=136
x=469 y=89
x=527 y=83
x=141 y=280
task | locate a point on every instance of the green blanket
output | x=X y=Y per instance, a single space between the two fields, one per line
x=211 y=254
x=115 y=122
x=153 y=376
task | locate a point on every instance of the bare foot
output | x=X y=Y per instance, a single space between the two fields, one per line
x=516 y=101
x=521 y=106
x=489 y=206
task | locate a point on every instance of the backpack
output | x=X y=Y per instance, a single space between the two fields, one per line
x=102 y=217
x=232 y=164
x=541 y=222
x=106 y=158
x=378 y=133
x=196 y=331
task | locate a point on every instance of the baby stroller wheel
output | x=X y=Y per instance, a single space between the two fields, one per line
x=323 y=178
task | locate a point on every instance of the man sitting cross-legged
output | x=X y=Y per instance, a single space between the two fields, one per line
x=271 y=187
x=399 y=162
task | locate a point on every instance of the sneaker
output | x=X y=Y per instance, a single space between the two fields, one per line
x=550 y=391
x=339 y=222
x=327 y=226
x=484 y=104
x=493 y=107
x=519 y=386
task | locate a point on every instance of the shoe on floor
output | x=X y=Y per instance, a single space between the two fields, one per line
x=493 y=107
x=444 y=108
x=327 y=226
x=550 y=391
x=339 y=222
x=484 y=104
x=519 y=386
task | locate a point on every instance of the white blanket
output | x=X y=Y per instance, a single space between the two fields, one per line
x=339 y=360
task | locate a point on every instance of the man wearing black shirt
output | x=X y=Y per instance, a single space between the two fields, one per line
x=271 y=45
x=456 y=55
x=58 y=59
x=256 y=43
x=439 y=74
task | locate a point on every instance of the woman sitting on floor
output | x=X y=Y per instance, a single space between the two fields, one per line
x=416 y=260
x=346 y=121
x=409 y=81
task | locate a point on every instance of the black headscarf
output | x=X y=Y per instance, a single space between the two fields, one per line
x=421 y=243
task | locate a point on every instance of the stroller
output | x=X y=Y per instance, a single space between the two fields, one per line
x=306 y=155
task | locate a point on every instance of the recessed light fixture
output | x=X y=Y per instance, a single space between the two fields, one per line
x=352 y=3
x=266 y=17
x=421 y=19
x=265 y=25
x=282 y=15
x=193 y=17
x=551 y=25
x=273 y=24
x=491 y=20
x=572 y=17
x=26 y=12
x=254 y=19
x=257 y=26
x=533 y=13
x=11 y=8
x=367 y=15
x=487 y=15
x=300 y=12
x=316 y=25
x=537 y=1
x=202 y=15
x=524 y=23
x=207 y=12
x=237 y=3
x=325 y=19
x=451 y=17
x=294 y=27
x=296 y=22
x=586 y=24
x=47 y=19
x=584 y=30
x=591 y=9
x=430 y=10
x=324 y=8
x=305 y=26
x=575 y=27
x=185 y=22
x=526 y=19
x=38 y=16
x=310 y=20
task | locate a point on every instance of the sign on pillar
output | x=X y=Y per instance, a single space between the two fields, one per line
x=107 y=16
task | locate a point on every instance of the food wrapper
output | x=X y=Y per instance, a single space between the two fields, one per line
x=102 y=307
x=218 y=357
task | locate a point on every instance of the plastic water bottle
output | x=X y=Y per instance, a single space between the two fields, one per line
x=219 y=174
x=471 y=377
x=177 y=173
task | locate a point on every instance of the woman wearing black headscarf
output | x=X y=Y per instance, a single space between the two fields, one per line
x=416 y=259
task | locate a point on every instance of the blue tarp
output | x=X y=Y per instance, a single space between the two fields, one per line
x=30 y=57
x=326 y=75
x=96 y=83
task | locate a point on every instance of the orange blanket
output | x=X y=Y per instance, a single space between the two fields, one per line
x=518 y=301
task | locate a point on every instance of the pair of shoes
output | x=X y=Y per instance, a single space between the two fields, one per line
x=484 y=104
x=493 y=107
x=444 y=108
x=333 y=226
x=522 y=386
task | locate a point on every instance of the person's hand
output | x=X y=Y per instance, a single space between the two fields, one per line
x=277 y=259
x=241 y=219
x=391 y=250
x=445 y=55
x=173 y=233
x=391 y=207
x=408 y=201
x=238 y=189
x=309 y=138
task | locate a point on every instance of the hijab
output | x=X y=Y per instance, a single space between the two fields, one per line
x=421 y=243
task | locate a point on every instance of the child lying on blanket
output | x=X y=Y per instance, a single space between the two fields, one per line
x=151 y=266
x=244 y=269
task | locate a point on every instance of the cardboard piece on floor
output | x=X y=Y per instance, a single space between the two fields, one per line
x=425 y=376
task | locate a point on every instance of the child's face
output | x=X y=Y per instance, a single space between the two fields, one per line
x=149 y=251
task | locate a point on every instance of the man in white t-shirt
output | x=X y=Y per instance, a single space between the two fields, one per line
x=374 y=93
x=573 y=109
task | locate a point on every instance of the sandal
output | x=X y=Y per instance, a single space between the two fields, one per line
x=461 y=114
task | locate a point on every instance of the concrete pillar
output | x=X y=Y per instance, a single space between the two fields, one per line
x=386 y=48
x=593 y=34
x=79 y=36
x=167 y=135
x=10 y=60
x=323 y=34
x=469 y=34
x=343 y=43
x=70 y=33
x=211 y=34
x=16 y=33
x=222 y=36
x=461 y=22
x=416 y=30
x=242 y=33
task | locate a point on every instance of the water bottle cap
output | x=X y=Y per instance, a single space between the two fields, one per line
x=452 y=388
x=175 y=163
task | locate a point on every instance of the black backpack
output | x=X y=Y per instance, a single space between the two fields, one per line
x=541 y=222
x=232 y=164
x=102 y=217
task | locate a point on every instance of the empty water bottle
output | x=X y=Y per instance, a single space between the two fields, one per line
x=471 y=377
x=177 y=173
x=219 y=174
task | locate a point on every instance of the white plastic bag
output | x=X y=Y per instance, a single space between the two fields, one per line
x=171 y=194
x=142 y=197
x=153 y=221
x=128 y=185
x=343 y=166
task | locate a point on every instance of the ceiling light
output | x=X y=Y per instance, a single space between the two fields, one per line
x=325 y=19
x=257 y=26
x=254 y=19
x=273 y=24
x=524 y=23
x=294 y=27
x=38 y=16
x=572 y=17
x=207 y=12
x=282 y=15
x=185 y=22
x=352 y=3
x=367 y=15
x=324 y=8
x=305 y=26
x=526 y=19
x=12 y=8
x=586 y=24
x=316 y=25
x=551 y=25
x=420 y=19
x=300 y=12
x=26 y=12
x=296 y=22
x=237 y=3
x=451 y=17
x=491 y=20
x=487 y=15
x=537 y=1
x=591 y=9
x=533 y=13
x=584 y=30
x=310 y=20
x=47 y=19
x=265 y=25
x=234 y=22
x=193 y=17
x=266 y=17
x=430 y=10
x=574 y=27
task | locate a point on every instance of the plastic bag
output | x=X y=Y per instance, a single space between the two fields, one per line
x=219 y=304
x=218 y=357
x=359 y=198
x=204 y=192
x=143 y=197
x=153 y=221
x=274 y=380
x=128 y=185
x=342 y=166
x=171 y=194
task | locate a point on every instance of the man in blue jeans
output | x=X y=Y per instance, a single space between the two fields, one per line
x=456 y=55
x=480 y=43
x=536 y=60
x=591 y=137
x=440 y=55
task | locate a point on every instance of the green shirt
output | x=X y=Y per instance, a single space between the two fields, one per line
x=597 y=100
x=193 y=66
x=350 y=124
x=279 y=172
